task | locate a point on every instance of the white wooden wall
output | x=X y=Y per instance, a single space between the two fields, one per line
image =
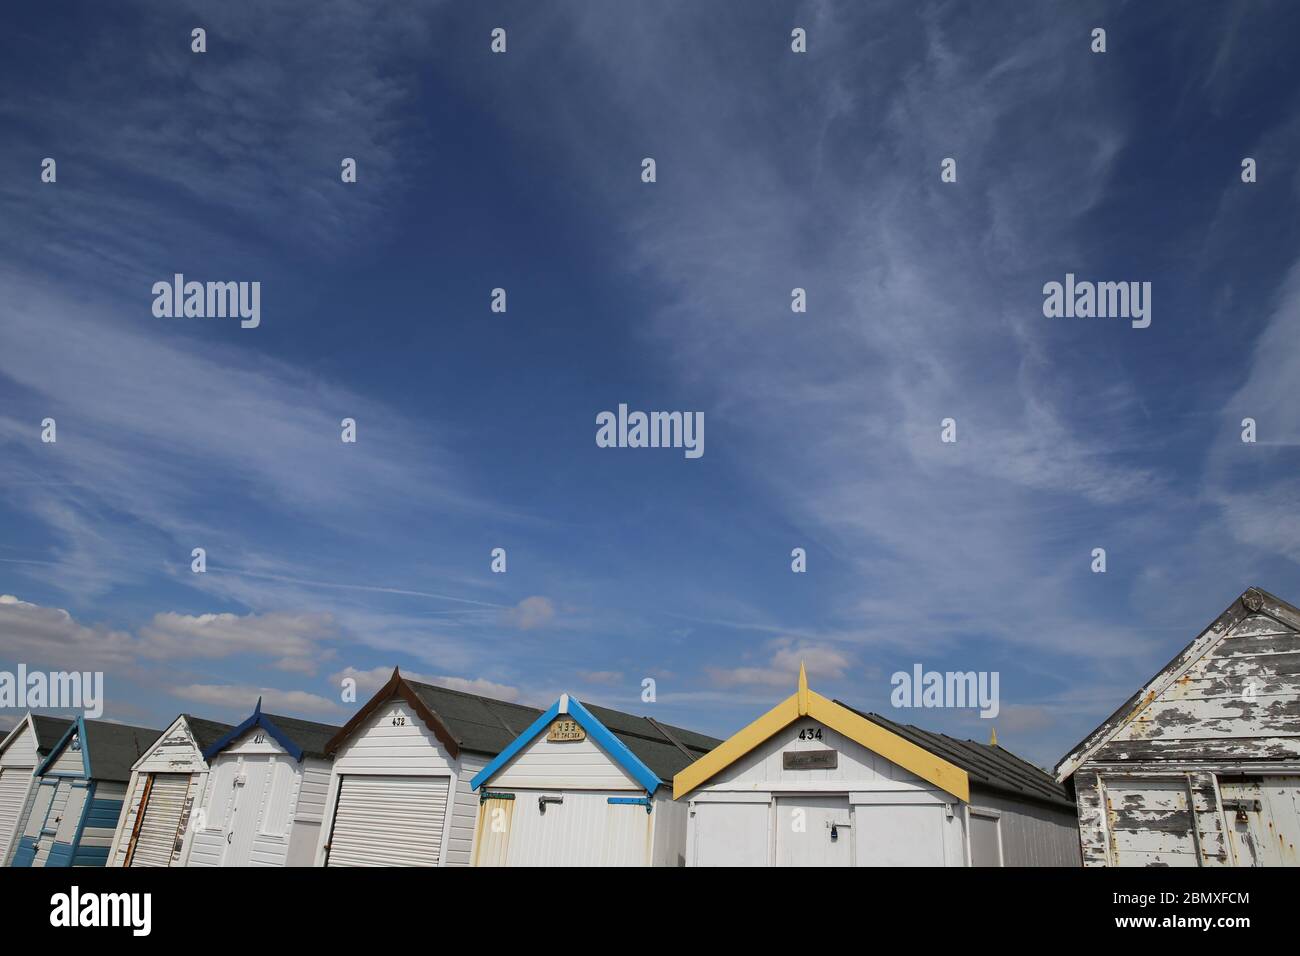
x=670 y=829
x=18 y=760
x=1033 y=834
x=21 y=751
x=464 y=811
x=573 y=764
x=69 y=761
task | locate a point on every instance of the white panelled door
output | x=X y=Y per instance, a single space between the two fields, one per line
x=160 y=825
x=250 y=786
x=388 y=821
x=813 y=831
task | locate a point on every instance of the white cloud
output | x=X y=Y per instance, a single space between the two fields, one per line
x=53 y=637
x=781 y=670
x=295 y=642
x=532 y=612
x=242 y=697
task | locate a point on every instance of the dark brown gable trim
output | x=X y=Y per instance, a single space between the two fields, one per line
x=396 y=687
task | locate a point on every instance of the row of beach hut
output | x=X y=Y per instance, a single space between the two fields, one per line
x=427 y=776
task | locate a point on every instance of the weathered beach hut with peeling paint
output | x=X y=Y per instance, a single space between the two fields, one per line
x=1201 y=767
x=80 y=786
x=266 y=793
x=399 y=790
x=815 y=783
x=166 y=785
x=22 y=750
x=586 y=786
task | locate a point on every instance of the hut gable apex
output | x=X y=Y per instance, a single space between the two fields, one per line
x=1254 y=609
x=297 y=738
x=614 y=748
x=75 y=729
x=261 y=721
x=175 y=746
x=32 y=738
x=18 y=731
x=397 y=686
x=805 y=702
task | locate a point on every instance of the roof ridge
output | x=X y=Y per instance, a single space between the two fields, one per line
x=981 y=762
x=669 y=737
x=301 y=720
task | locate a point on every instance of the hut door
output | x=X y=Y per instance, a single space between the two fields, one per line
x=493 y=838
x=1263 y=819
x=158 y=825
x=813 y=831
x=250 y=784
x=29 y=840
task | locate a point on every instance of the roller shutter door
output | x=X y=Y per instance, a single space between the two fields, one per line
x=388 y=821
x=159 y=829
x=14 y=782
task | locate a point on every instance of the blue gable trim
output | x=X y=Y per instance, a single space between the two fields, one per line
x=77 y=727
x=257 y=719
x=516 y=745
x=594 y=728
x=615 y=747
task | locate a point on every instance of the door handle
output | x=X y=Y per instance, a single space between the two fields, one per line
x=230 y=836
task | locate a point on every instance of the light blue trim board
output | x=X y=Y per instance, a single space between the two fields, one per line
x=78 y=727
x=616 y=749
x=638 y=801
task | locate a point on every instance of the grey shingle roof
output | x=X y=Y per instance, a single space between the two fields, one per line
x=114 y=748
x=481 y=724
x=487 y=726
x=307 y=734
x=206 y=732
x=651 y=745
x=49 y=730
x=988 y=765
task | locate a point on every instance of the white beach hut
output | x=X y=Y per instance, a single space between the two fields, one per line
x=399 y=791
x=586 y=786
x=815 y=783
x=21 y=751
x=166 y=784
x=265 y=793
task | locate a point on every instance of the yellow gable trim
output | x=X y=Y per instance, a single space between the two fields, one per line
x=929 y=767
x=736 y=746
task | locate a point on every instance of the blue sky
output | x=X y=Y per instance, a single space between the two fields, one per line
x=476 y=430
